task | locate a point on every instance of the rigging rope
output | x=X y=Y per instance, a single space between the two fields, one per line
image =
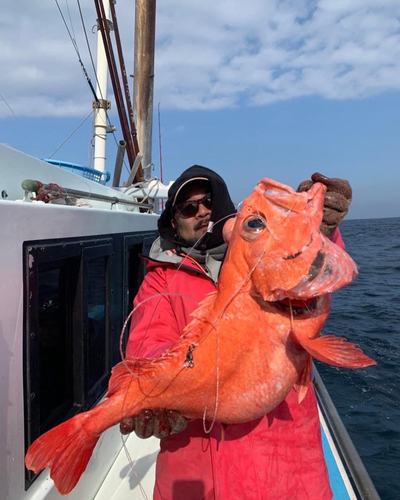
x=88 y=46
x=19 y=124
x=74 y=43
x=70 y=135
x=95 y=73
x=77 y=52
x=70 y=19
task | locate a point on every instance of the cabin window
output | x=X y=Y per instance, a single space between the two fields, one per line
x=55 y=361
x=96 y=291
x=96 y=319
x=135 y=268
x=77 y=295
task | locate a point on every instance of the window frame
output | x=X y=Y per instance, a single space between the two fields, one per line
x=73 y=256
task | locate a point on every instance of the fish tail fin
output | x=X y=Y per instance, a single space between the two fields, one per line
x=336 y=351
x=301 y=386
x=65 y=450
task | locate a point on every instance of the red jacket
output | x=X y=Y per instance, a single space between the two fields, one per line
x=277 y=457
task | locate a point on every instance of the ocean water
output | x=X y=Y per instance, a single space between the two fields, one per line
x=367 y=312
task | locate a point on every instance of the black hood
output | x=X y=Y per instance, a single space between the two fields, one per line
x=222 y=207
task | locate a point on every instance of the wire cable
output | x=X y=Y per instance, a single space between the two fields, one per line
x=75 y=45
x=77 y=52
x=70 y=135
x=18 y=123
x=70 y=19
x=94 y=70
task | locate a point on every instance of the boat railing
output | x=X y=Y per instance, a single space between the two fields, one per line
x=356 y=469
x=49 y=191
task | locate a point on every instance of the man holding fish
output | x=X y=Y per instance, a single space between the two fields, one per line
x=232 y=361
x=275 y=457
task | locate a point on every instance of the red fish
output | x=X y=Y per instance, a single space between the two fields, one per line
x=250 y=342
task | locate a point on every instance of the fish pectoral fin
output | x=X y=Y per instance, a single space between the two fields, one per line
x=301 y=386
x=336 y=351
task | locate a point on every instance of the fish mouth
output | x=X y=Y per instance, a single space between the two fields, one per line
x=296 y=307
x=291 y=307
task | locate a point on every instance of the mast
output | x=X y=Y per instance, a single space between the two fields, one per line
x=100 y=112
x=145 y=20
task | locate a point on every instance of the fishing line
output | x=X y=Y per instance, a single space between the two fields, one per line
x=210 y=228
x=123 y=358
x=217 y=382
x=291 y=316
x=213 y=325
x=207 y=431
x=168 y=356
x=132 y=465
x=290 y=211
x=152 y=317
x=180 y=264
x=234 y=295
x=159 y=296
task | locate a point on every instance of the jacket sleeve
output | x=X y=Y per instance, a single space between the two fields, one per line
x=336 y=237
x=153 y=326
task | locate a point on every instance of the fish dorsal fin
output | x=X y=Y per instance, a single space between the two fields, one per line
x=194 y=330
x=148 y=368
x=123 y=373
x=202 y=313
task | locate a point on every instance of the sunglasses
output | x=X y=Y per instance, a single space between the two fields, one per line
x=190 y=208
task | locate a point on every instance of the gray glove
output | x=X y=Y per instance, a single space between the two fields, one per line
x=159 y=423
x=337 y=200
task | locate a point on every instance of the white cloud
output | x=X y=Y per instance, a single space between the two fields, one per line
x=210 y=55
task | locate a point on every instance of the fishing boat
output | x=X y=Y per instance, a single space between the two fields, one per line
x=70 y=267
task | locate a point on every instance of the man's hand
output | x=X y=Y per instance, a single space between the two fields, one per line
x=159 y=423
x=337 y=200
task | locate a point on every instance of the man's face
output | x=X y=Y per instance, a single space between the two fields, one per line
x=192 y=228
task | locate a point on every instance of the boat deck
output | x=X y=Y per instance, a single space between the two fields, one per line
x=132 y=474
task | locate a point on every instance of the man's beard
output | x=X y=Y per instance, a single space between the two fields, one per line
x=192 y=241
x=201 y=223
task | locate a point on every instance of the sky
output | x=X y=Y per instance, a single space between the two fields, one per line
x=262 y=88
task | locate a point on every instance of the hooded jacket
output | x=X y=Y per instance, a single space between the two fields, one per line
x=276 y=457
x=220 y=211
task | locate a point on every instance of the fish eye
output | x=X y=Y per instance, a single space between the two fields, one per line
x=255 y=224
